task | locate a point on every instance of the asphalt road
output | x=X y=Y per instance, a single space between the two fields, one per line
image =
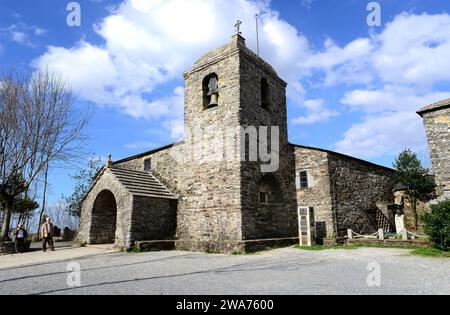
x=284 y=271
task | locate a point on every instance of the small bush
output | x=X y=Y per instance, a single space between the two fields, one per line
x=437 y=225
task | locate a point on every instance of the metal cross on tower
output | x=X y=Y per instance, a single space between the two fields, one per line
x=238 y=27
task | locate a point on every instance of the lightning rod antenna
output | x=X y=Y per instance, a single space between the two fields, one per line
x=257 y=33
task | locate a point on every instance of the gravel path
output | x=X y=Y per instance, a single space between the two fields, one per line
x=283 y=271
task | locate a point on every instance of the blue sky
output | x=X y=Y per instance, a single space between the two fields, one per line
x=352 y=88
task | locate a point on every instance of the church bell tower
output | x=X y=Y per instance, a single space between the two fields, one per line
x=233 y=99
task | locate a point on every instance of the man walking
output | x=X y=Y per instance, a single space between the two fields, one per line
x=47 y=235
x=20 y=237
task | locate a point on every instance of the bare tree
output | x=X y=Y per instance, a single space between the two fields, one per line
x=38 y=126
x=61 y=216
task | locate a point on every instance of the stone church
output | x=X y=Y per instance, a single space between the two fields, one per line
x=233 y=205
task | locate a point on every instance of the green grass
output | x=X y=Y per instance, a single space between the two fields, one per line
x=430 y=252
x=321 y=247
x=133 y=250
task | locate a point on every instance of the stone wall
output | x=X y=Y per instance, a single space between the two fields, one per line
x=208 y=191
x=278 y=217
x=344 y=191
x=437 y=125
x=318 y=194
x=210 y=204
x=356 y=188
x=153 y=219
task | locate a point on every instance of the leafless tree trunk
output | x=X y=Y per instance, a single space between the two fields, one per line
x=38 y=125
x=44 y=196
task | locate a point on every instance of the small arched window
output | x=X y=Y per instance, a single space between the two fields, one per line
x=210 y=91
x=265 y=93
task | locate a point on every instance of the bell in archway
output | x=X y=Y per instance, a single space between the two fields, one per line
x=213 y=92
x=214 y=100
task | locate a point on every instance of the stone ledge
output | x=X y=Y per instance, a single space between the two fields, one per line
x=234 y=247
x=332 y=241
x=9 y=247
x=148 y=246
x=392 y=243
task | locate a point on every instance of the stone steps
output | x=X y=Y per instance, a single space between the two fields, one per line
x=135 y=190
x=143 y=180
x=141 y=183
x=138 y=180
x=157 y=196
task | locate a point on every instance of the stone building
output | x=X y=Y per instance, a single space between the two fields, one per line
x=437 y=125
x=232 y=202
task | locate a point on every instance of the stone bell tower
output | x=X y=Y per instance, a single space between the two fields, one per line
x=437 y=124
x=231 y=97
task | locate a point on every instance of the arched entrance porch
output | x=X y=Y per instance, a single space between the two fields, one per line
x=104 y=219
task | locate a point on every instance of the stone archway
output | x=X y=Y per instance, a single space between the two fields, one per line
x=104 y=219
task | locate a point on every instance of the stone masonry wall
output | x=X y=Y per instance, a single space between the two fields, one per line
x=210 y=207
x=153 y=219
x=356 y=188
x=318 y=194
x=278 y=218
x=437 y=125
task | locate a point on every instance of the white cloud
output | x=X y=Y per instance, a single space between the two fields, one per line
x=19 y=37
x=171 y=106
x=391 y=123
x=88 y=68
x=414 y=49
x=408 y=65
x=149 y=43
x=390 y=99
x=384 y=135
x=21 y=32
x=39 y=31
x=177 y=128
x=316 y=113
x=350 y=64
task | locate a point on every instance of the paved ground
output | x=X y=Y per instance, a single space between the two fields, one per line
x=284 y=271
x=64 y=252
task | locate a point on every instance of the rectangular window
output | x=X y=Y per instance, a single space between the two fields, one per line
x=263 y=197
x=304 y=180
x=148 y=165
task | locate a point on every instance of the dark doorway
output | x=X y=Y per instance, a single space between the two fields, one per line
x=104 y=217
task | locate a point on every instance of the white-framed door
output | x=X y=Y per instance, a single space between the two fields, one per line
x=306 y=226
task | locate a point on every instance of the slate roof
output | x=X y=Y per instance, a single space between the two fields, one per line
x=435 y=106
x=344 y=156
x=141 y=183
